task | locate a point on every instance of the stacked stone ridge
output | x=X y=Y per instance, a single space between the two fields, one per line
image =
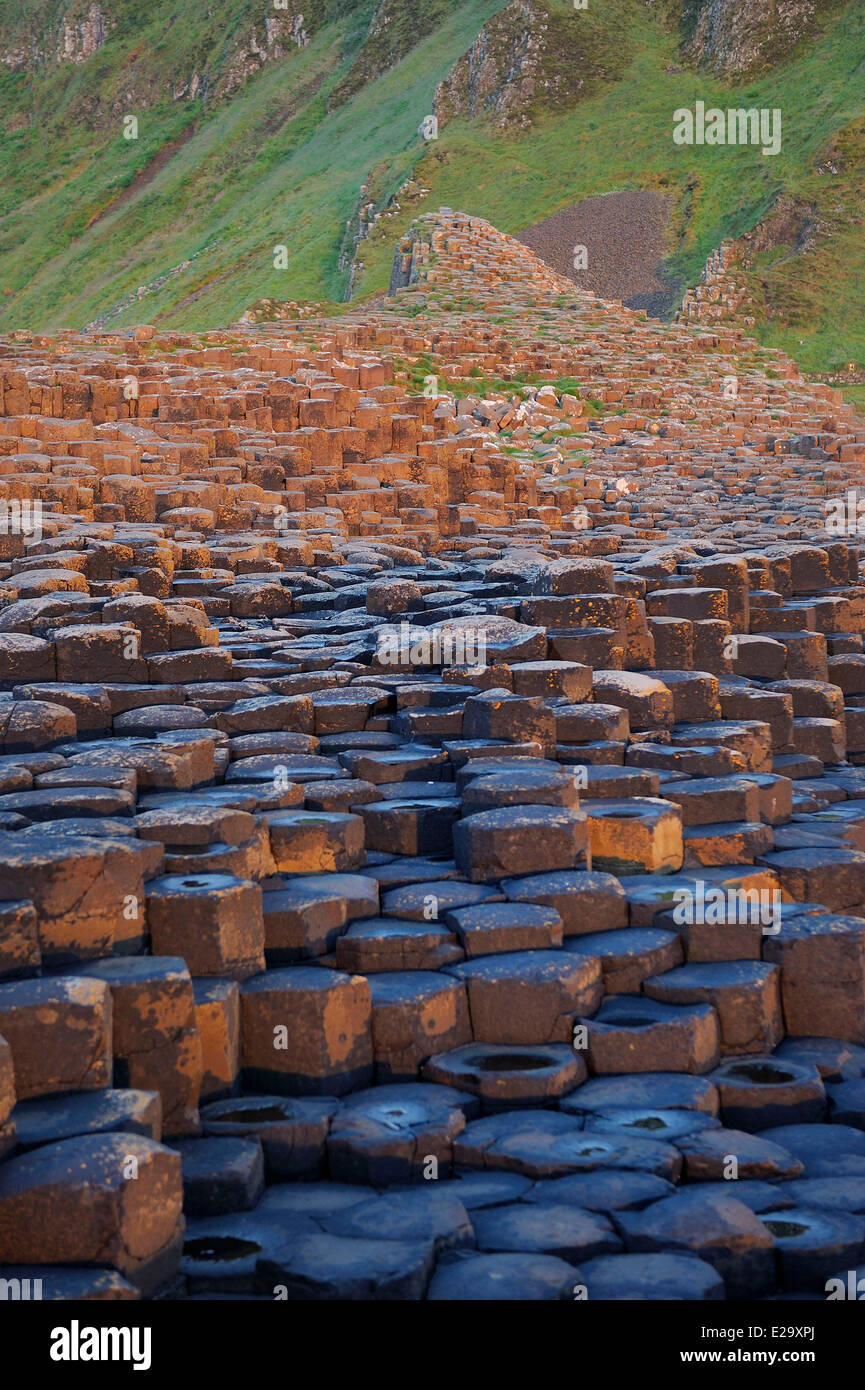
x=432 y=815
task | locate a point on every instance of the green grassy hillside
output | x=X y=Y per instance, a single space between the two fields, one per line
x=246 y=142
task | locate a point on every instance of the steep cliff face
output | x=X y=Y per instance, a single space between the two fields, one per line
x=71 y=36
x=735 y=37
x=395 y=28
x=211 y=51
x=267 y=37
x=499 y=74
x=80 y=38
x=215 y=55
x=529 y=58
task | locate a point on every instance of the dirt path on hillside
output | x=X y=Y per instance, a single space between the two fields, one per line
x=145 y=175
x=625 y=239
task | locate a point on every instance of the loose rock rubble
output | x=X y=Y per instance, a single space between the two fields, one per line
x=383 y=770
x=613 y=244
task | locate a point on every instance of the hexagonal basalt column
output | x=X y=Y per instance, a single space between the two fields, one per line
x=102 y=1199
x=306 y=1031
x=214 y=921
x=746 y=995
x=156 y=1043
x=520 y=840
x=415 y=1015
x=528 y=997
x=642 y=835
